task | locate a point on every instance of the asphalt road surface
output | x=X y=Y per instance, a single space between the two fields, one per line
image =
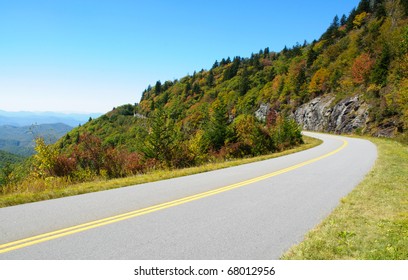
x=253 y=211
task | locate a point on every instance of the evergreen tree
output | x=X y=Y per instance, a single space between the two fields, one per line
x=196 y=88
x=266 y=51
x=216 y=132
x=380 y=71
x=350 y=19
x=311 y=55
x=210 y=79
x=363 y=6
x=343 y=20
x=244 y=82
x=187 y=89
x=379 y=9
x=157 y=88
x=161 y=140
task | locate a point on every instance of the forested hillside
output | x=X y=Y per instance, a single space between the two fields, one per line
x=217 y=113
x=19 y=140
x=364 y=53
x=244 y=106
x=8 y=159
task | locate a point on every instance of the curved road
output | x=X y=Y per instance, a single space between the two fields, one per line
x=253 y=211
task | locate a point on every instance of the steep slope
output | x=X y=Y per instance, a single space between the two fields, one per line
x=363 y=55
x=240 y=106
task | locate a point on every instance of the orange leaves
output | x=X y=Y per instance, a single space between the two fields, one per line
x=361 y=68
x=320 y=81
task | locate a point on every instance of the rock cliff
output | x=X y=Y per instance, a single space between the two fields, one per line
x=320 y=114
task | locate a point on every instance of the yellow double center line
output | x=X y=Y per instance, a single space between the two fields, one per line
x=11 y=246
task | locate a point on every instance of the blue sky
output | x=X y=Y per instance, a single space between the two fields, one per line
x=92 y=55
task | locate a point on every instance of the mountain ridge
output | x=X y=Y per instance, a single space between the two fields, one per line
x=24 y=118
x=20 y=140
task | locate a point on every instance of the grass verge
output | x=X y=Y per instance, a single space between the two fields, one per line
x=371 y=222
x=59 y=189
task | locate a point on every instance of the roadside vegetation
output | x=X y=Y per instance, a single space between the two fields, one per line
x=372 y=221
x=37 y=189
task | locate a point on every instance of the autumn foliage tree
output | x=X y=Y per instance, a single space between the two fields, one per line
x=320 y=81
x=361 y=68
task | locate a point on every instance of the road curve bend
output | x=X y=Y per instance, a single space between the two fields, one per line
x=252 y=211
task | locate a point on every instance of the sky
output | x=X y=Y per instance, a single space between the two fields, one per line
x=92 y=55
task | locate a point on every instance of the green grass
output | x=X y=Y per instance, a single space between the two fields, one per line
x=372 y=221
x=60 y=187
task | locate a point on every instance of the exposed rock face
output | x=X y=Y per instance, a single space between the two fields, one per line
x=321 y=115
x=262 y=111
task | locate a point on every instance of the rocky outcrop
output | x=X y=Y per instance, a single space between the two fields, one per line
x=262 y=111
x=343 y=117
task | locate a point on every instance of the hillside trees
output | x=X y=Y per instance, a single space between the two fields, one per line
x=160 y=143
x=216 y=130
x=361 y=68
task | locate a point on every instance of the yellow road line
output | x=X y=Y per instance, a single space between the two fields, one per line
x=11 y=246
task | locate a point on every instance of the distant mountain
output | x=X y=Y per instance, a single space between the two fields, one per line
x=19 y=140
x=30 y=118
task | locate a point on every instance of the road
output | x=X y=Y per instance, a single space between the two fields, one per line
x=252 y=211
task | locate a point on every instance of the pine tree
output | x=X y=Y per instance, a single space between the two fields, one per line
x=343 y=20
x=216 y=132
x=244 y=82
x=266 y=51
x=210 y=79
x=161 y=140
x=157 y=88
x=380 y=71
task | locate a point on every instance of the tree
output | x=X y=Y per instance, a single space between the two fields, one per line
x=361 y=68
x=364 y=6
x=244 y=82
x=89 y=153
x=210 y=79
x=350 y=19
x=161 y=140
x=196 y=88
x=343 y=20
x=266 y=51
x=5 y=175
x=216 y=131
x=232 y=70
x=157 y=88
x=311 y=55
x=319 y=82
x=44 y=159
x=332 y=31
x=380 y=69
x=359 y=19
x=379 y=9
